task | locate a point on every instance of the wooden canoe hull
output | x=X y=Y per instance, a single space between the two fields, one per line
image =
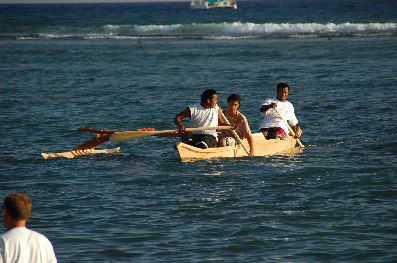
x=262 y=146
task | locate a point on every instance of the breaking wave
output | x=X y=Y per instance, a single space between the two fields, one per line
x=234 y=30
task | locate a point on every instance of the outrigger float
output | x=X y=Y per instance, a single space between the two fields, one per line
x=77 y=153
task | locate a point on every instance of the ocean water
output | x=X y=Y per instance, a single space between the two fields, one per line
x=127 y=66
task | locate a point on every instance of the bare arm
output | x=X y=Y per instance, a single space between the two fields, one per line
x=246 y=132
x=251 y=144
x=221 y=121
x=297 y=130
x=180 y=117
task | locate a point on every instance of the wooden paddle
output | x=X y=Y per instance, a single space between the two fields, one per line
x=119 y=136
x=235 y=134
x=289 y=127
x=132 y=135
x=97 y=131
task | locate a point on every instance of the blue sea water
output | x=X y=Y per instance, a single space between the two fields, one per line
x=127 y=66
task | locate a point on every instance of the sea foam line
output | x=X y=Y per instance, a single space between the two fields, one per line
x=254 y=28
x=308 y=28
x=224 y=30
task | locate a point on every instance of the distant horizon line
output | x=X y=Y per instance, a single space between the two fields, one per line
x=84 y=1
x=12 y=2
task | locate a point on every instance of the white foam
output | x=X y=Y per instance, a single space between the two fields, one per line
x=227 y=31
x=238 y=28
x=157 y=28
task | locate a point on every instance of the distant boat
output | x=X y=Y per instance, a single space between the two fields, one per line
x=211 y=4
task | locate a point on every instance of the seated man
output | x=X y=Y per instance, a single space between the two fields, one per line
x=204 y=114
x=272 y=125
x=239 y=122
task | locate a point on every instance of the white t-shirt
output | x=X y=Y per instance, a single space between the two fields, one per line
x=23 y=245
x=202 y=117
x=272 y=119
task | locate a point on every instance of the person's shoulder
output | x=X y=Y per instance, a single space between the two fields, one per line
x=41 y=238
x=242 y=116
x=36 y=233
x=289 y=103
x=195 y=106
x=14 y=231
x=13 y=235
x=192 y=106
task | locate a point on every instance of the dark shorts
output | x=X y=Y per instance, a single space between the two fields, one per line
x=200 y=140
x=273 y=133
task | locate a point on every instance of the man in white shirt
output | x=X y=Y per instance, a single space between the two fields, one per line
x=272 y=125
x=20 y=244
x=205 y=114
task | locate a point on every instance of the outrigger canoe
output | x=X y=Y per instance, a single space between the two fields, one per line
x=262 y=146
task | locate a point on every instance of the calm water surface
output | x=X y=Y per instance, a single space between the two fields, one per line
x=333 y=202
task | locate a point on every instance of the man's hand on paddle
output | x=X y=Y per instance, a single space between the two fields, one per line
x=180 y=117
x=181 y=127
x=264 y=108
x=298 y=132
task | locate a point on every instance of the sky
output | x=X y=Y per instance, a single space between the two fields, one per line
x=81 y=1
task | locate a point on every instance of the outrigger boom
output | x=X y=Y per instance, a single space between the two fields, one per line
x=88 y=147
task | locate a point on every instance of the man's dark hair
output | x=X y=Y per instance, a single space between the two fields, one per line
x=18 y=206
x=234 y=97
x=282 y=85
x=207 y=95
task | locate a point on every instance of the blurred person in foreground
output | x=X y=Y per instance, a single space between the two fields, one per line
x=20 y=244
